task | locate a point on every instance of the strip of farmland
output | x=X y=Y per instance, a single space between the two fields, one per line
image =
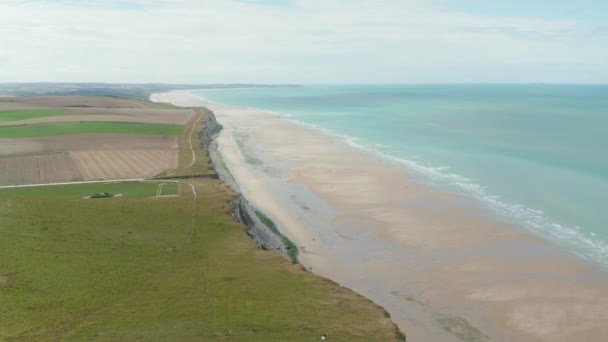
x=124 y=164
x=47 y=129
x=37 y=169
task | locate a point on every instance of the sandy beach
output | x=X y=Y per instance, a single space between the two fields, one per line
x=443 y=267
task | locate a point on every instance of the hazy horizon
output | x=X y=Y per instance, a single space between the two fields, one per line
x=304 y=41
x=304 y=84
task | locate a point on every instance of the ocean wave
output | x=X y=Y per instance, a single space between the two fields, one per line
x=584 y=244
x=575 y=239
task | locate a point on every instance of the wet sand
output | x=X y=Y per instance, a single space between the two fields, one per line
x=443 y=267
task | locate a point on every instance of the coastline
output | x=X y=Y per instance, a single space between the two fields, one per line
x=435 y=261
x=262 y=229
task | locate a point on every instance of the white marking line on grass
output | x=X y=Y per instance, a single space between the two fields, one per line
x=110 y=181
x=69 y=183
x=159 y=189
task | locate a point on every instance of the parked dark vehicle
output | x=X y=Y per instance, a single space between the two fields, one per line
x=102 y=195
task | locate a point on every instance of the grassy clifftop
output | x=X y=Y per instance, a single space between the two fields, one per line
x=174 y=269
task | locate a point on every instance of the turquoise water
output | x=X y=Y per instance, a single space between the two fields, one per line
x=534 y=154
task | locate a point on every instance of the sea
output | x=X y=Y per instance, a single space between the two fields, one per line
x=536 y=155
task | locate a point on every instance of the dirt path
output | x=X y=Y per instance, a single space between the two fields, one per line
x=198 y=117
x=193 y=190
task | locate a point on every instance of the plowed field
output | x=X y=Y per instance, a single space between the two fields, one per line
x=62 y=139
x=38 y=169
x=82 y=142
x=95 y=165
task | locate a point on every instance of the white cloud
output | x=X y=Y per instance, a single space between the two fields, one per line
x=336 y=41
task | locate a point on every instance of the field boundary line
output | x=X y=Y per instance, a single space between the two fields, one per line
x=89 y=182
x=68 y=183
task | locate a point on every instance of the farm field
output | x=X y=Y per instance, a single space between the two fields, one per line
x=125 y=189
x=34 y=169
x=138 y=267
x=16 y=111
x=14 y=115
x=175 y=116
x=62 y=139
x=45 y=129
x=95 y=118
x=179 y=268
x=87 y=142
x=77 y=102
x=125 y=164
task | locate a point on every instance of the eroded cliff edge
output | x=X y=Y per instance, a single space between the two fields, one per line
x=262 y=230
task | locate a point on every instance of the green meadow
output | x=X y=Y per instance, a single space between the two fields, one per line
x=65 y=128
x=168 y=188
x=136 y=267
x=125 y=189
x=15 y=115
x=175 y=269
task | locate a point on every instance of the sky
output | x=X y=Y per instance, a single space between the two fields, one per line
x=304 y=41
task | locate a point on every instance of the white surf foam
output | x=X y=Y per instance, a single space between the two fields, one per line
x=576 y=239
x=584 y=244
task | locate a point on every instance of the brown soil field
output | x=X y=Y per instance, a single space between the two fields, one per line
x=17 y=106
x=89 y=156
x=95 y=109
x=175 y=116
x=87 y=142
x=37 y=169
x=76 y=101
x=95 y=165
x=166 y=119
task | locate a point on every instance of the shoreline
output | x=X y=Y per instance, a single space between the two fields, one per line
x=429 y=258
x=262 y=229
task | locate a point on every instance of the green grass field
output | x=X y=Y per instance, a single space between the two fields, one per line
x=148 y=269
x=168 y=189
x=172 y=269
x=126 y=189
x=64 y=128
x=14 y=115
